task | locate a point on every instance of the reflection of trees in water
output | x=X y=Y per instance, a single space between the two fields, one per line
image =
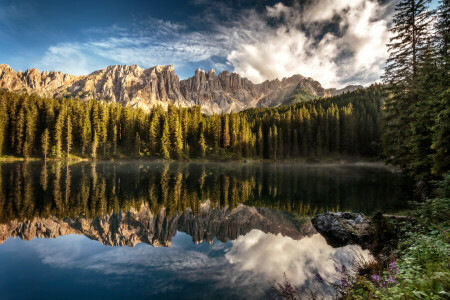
x=33 y=189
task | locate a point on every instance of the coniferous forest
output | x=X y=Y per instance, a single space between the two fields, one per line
x=372 y=231
x=405 y=120
x=348 y=124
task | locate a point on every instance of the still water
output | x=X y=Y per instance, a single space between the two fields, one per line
x=175 y=230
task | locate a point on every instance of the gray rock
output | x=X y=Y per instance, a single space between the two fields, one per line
x=343 y=228
x=146 y=88
x=141 y=225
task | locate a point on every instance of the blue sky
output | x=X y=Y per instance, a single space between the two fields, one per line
x=334 y=41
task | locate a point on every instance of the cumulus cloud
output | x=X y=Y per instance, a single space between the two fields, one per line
x=353 y=52
x=336 y=42
x=271 y=255
x=245 y=267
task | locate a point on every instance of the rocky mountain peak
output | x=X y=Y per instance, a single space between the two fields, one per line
x=133 y=86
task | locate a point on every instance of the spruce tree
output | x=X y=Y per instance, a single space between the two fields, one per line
x=295 y=148
x=424 y=113
x=114 y=141
x=3 y=124
x=94 y=145
x=45 y=143
x=57 y=135
x=260 y=143
x=441 y=129
x=153 y=132
x=30 y=128
x=68 y=136
x=86 y=129
x=410 y=36
x=225 y=131
x=165 y=141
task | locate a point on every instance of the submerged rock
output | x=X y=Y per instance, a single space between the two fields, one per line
x=343 y=228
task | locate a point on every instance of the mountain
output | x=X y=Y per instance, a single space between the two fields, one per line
x=143 y=226
x=137 y=87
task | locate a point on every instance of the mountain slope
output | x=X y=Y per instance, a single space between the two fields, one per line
x=137 y=87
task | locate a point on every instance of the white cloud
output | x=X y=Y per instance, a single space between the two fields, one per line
x=355 y=53
x=271 y=255
x=283 y=41
x=65 y=57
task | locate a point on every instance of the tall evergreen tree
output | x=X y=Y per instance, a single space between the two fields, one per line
x=410 y=36
x=165 y=141
x=94 y=145
x=441 y=129
x=260 y=142
x=3 y=124
x=45 y=143
x=57 y=134
x=68 y=135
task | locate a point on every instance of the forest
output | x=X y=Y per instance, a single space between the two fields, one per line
x=32 y=126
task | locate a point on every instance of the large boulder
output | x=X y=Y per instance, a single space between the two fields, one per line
x=344 y=228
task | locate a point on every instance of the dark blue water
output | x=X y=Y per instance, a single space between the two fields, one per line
x=174 y=231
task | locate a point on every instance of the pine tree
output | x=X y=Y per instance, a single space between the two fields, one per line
x=3 y=124
x=201 y=140
x=202 y=144
x=57 y=135
x=165 y=141
x=114 y=134
x=94 y=145
x=410 y=35
x=441 y=129
x=275 y=141
x=295 y=149
x=225 y=131
x=424 y=114
x=19 y=128
x=153 y=132
x=177 y=139
x=137 y=144
x=260 y=143
x=30 y=128
x=68 y=136
x=270 y=144
x=45 y=143
x=86 y=129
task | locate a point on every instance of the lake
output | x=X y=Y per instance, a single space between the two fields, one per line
x=176 y=230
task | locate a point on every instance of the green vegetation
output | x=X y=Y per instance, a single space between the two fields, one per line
x=423 y=253
x=416 y=138
x=344 y=125
x=300 y=96
x=413 y=259
x=416 y=133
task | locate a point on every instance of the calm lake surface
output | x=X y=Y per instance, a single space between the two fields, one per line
x=175 y=230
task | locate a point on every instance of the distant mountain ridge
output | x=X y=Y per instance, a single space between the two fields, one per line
x=159 y=85
x=141 y=225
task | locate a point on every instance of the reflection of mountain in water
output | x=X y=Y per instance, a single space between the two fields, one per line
x=118 y=203
x=143 y=226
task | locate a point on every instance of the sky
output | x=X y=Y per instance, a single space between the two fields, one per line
x=337 y=42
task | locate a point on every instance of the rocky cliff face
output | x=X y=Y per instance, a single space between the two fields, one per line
x=143 y=226
x=137 y=87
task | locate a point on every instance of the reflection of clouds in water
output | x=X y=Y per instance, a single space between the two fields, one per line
x=244 y=267
x=272 y=255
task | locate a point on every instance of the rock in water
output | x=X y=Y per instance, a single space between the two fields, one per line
x=343 y=228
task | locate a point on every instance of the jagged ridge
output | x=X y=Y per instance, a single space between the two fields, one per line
x=137 y=87
x=143 y=226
